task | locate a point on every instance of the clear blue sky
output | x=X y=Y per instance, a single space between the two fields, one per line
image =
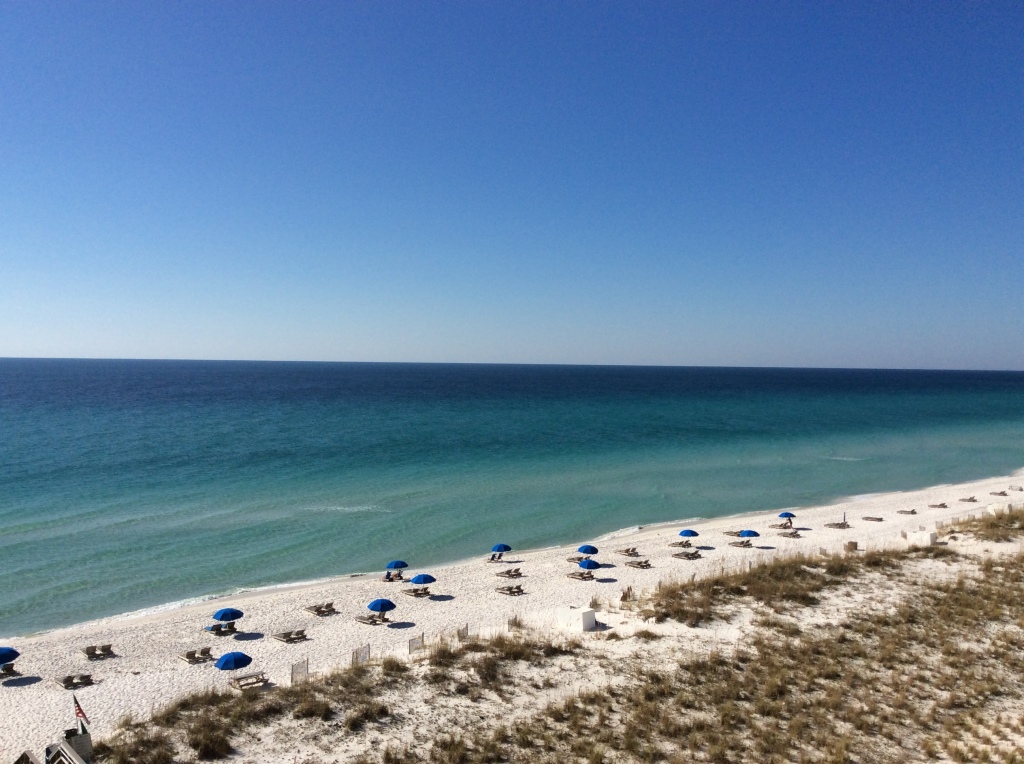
x=766 y=184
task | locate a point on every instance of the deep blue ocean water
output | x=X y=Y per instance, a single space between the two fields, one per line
x=127 y=484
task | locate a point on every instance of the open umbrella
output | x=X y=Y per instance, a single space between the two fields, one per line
x=589 y=564
x=687 y=533
x=422 y=578
x=501 y=548
x=786 y=514
x=233 y=661
x=381 y=606
x=587 y=549
x=749 y=534
x=8 y=655
x=227 y=614
x=397 y=565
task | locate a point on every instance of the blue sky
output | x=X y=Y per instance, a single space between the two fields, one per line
x=764 y=184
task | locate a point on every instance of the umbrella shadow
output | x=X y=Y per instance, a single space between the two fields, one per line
x=705 y=547
x=608 y=565
x=803 y=529
x=401 y=625
x=442 y=597
x=606 y=580
x=22 y=681
x=249 y=636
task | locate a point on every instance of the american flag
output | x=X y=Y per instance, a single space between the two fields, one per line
x=79 y=713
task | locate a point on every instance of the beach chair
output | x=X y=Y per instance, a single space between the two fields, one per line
x=255 y=679
x=745 y=544
x=283 y=636
x=370 y=620
x=317 y=610
x=510 y=573
x=732 y=533
x=781 y=525
x=417 y=591
x=83 y=680
x=640 y=564
x=8 y=670
x=582 y=575
x=694 y=555
x=969 y=500
x=216 y=629
x=628 y=552
x=685 y=544
x=841 y=526
x=229 y=628
x=938 y=506
x=205 y=653
x=873 y=519
x=106 y=651
x=299 y=635
x=997 y=493
x=906 y=511
x=791 y=535
x=577 y=558
x=1016 y=488
x=90 y=653
x=189 y=656
x=67 y=682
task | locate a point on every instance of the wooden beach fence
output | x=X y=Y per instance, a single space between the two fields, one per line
x=300 y=671
x=361 y=655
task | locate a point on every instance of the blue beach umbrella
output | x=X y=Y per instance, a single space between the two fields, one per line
x=587 y=549
x=422 y=578
x=397 y=565
x=687 y=533
x=786 y=514
x=8 y=655
x=589 y=564
x=227 y=614
x=233 y=661
x=749 y=534
x=381 y=606
x=501 y=548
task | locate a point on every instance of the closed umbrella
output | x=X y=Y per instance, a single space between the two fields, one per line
x=233 y=661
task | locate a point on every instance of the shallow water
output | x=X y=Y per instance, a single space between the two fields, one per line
x=126 y=484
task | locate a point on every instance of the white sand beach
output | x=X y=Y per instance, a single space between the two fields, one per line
x=148 y=673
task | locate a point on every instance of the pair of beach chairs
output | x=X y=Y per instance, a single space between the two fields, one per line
x=684 y=544
x=255 y=679
x=512 y=591
x=628 y=552
x=744 y=544
x=417 y=591
x=510 y=573
x=222 y=629
x=943 y=505
x=841 y=526
x=874 y=519
x=578 y=558
x=496 y=557
x=8 y=670
x=694 y=555
x=791 y=535
x=640 y=564
x=75 y=681
x=99 y=652
x=969 y=500
x=390 y=576
x=298 y=635
x=372 y=619
x=581 y=575
x=997 y=493
x=906 y=511
x=782 y=526
x=325 y=609
x=201 y=655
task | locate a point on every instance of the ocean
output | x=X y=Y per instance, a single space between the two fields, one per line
x=125 y=485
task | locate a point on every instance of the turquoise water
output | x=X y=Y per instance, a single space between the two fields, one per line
x=127 y=484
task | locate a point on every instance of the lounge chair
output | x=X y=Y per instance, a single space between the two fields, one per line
x=745 y=544
x=8 y=670
x=577 y=558
x=83 y=680
x=299 y=635
x=510 y=573
x=938 y=506
x=906 y=511
x=189 y=656
x=694 y=555
x=91 y=653
x=496 y=557
x=67 y=682
x=417 y=591
x=1016 y=488
x=997 y=493
x=216 y=629
x=205 y=653
x=641 y=564
x=628 y=552
x=106 y=651
x=229 y=628
x=582 y=575
x=682 y=544
x=842 y=525
x=371 y=620
x=873 y=519
x=791 y=535
x=512 y=591
x=317 y=610
x=284 y=636
x=786 y=525
x=969 y=500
